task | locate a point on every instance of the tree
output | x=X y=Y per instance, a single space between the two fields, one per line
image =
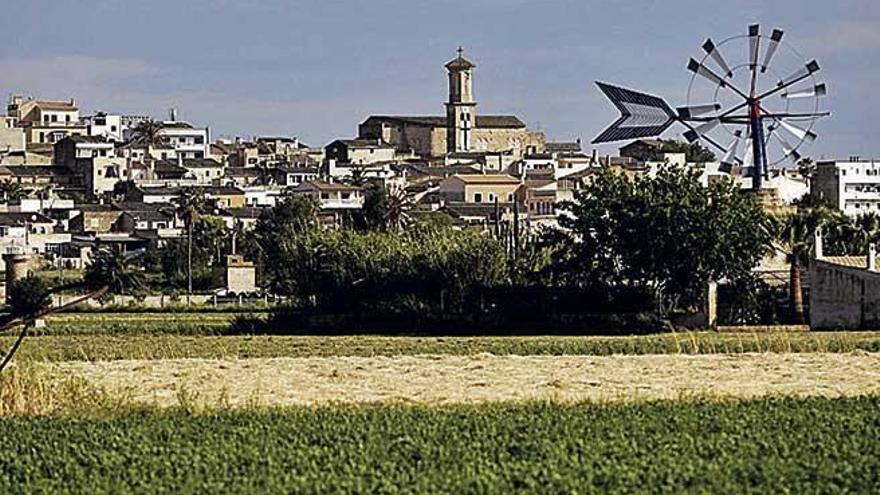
x=11 y=191
x=795 y=234
x=668 y=234
x=29 y=297
x=148 y=134
x=191 y=203
x=110 y=271
x=113 y=270
x=123 y=190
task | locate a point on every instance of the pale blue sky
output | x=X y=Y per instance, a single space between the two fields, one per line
x=315 y=69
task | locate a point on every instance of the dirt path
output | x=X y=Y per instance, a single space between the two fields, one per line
x=480 y=378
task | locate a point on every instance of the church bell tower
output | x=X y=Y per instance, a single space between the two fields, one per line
x=461 y=109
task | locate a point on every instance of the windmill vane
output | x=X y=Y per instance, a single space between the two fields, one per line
x=749 y=103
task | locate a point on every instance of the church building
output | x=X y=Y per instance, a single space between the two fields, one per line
x=461 y=131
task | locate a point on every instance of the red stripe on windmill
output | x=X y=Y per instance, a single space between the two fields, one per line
x=757 y=112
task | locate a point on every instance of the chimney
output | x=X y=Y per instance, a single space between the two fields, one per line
x=172 y=113
x=72 y=102
x=817 y=245
x=594 y=160
x=872 y=257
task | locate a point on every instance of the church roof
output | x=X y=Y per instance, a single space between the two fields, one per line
x=484 y=121
x=460 y=63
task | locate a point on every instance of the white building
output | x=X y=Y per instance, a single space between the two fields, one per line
x=853 y=186
x=186 y=140
x=106 y=126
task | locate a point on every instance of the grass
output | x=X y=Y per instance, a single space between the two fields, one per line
x=142 y=323
x=114 y=347
x=768 y=445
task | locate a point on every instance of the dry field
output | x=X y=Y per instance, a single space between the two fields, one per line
x=442 y=379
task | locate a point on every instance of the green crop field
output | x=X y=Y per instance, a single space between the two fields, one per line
x=104 y=346
x=771 y=446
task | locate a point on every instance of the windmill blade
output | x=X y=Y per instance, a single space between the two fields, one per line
x=787 y=148
x=775 y=38
x=702 y=70
x=753 y=45
x=701 y=130
x=712 y=51
x=799 y=74
x=802 y=134
x=817 y=90
x=641 y=115
x=730 y=159
x=686 y=113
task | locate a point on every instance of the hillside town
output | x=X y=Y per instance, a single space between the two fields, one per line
x=73 y=183
x=319 y=247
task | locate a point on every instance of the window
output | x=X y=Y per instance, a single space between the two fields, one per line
x=510 y=197
x=67 y=118
x=325 y=195
x=112 y=128
x=199 y=140
x=346 y=195
x=54 y=118
x=491 y=197
x=478 y=197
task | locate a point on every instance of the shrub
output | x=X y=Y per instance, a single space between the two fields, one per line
x=29 y=296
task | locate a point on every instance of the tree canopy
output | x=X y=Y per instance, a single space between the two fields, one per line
x=667 y=233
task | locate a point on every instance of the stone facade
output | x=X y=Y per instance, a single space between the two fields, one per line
x=461 y=130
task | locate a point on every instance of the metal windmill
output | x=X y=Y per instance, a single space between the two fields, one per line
x=768 y=102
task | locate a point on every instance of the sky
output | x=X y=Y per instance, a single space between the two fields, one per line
x=316 y=68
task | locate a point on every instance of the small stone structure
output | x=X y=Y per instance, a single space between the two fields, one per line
x=17 y=267
x=240 y=276
x=844 y=291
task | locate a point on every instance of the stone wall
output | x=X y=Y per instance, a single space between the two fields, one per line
x=843 y=297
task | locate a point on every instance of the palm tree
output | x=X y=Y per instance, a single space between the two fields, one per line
x=795 y=233
x=111 y=271
x=11 y=191
x=190 y=204
x=148 y=133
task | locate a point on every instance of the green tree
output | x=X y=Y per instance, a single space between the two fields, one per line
x=668 y=234
x=11 y=191
x=115 y=271
x=149 y=134
x=29 y=297
x=191 y=203
x=795 y=235
x=109 y=271
x=123 y=190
